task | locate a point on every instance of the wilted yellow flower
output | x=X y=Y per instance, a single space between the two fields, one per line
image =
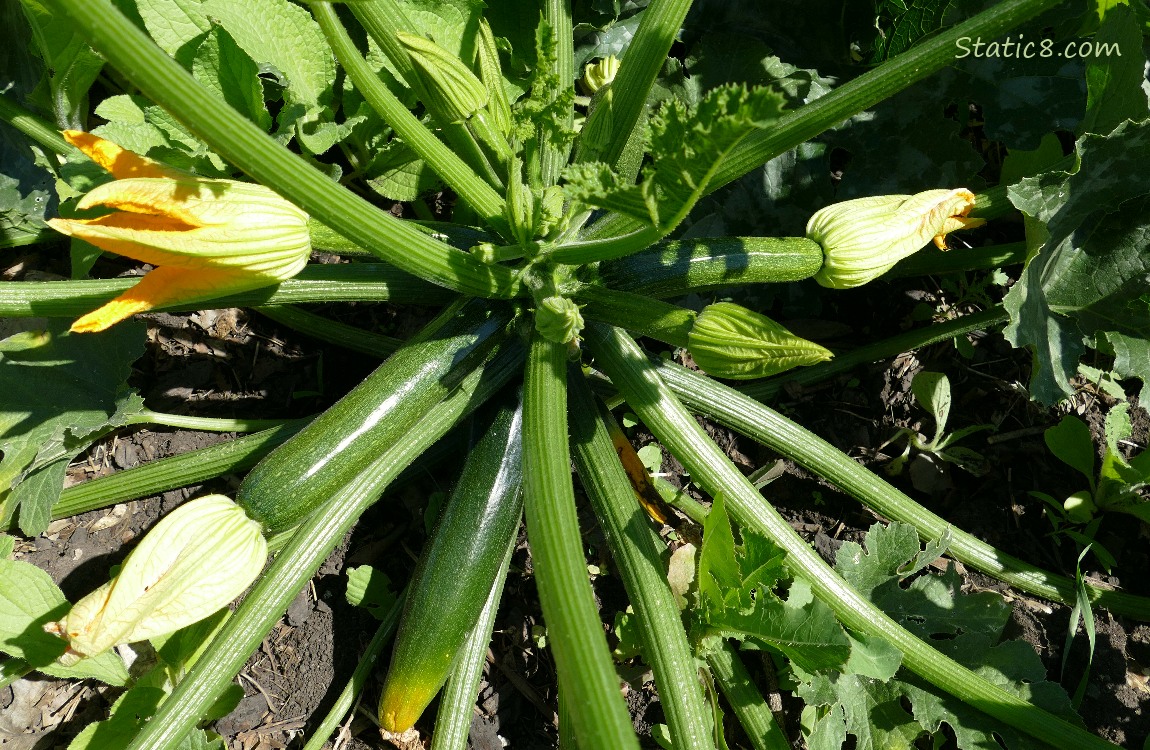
x=196 y=560
x=206 y=237
x=863 y=238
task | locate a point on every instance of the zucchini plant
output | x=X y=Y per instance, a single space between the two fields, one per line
x=565 y=245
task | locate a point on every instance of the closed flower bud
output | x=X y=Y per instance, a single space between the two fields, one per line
x=558 y=319
x=207 y=238
x=863 y=238
x=730 y=341
x=450 y=90
x=521 y=212
x=196 y=560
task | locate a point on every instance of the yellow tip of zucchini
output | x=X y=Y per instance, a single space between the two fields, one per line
x=402 y=705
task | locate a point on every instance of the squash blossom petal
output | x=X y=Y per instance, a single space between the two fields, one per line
x=196 y=560
x=863 y=238
x=206 y=237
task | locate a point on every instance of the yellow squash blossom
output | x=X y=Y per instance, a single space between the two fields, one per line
x=863 y=238
x=206 y=237
x=197 y=559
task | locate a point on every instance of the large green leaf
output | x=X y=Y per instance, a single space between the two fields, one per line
x=175 y=25
x=61 y=391
x=1089 y=259
x=965 y=627
x=687 y=145
x=223 y=67
x=146 y=129
x=869 y=709
x=1114 y=81
x=283 y=35
x=281 y=38
x=452 y=24
x=736 y=599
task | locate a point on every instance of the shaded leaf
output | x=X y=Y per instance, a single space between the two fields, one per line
x=398 y=174
x=1071 y=443
x=1114 y=81
x=1019 y=163
x=221 y=66
x=61 y=391
x=1131 y=355
x=1089 y=259
x=612 y=38
x=932 y=391
x=72 y=66
x=1012 y=666
x=901 y=23
x=25 y=187
x=370 y=589
x=964 y=627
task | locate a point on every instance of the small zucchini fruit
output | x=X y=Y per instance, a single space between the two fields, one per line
x=672 y=269
x=295 y=478
x=456 y=571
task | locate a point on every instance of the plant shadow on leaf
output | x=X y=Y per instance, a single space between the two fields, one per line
x=967 y=627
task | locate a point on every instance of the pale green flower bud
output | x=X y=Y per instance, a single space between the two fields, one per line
x=1080 y=507
x=863 y=238
x=558 y=319
x=520 y=212
x=451 y=90
x=598 y=74
x=730 y=341
x=196 y=560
